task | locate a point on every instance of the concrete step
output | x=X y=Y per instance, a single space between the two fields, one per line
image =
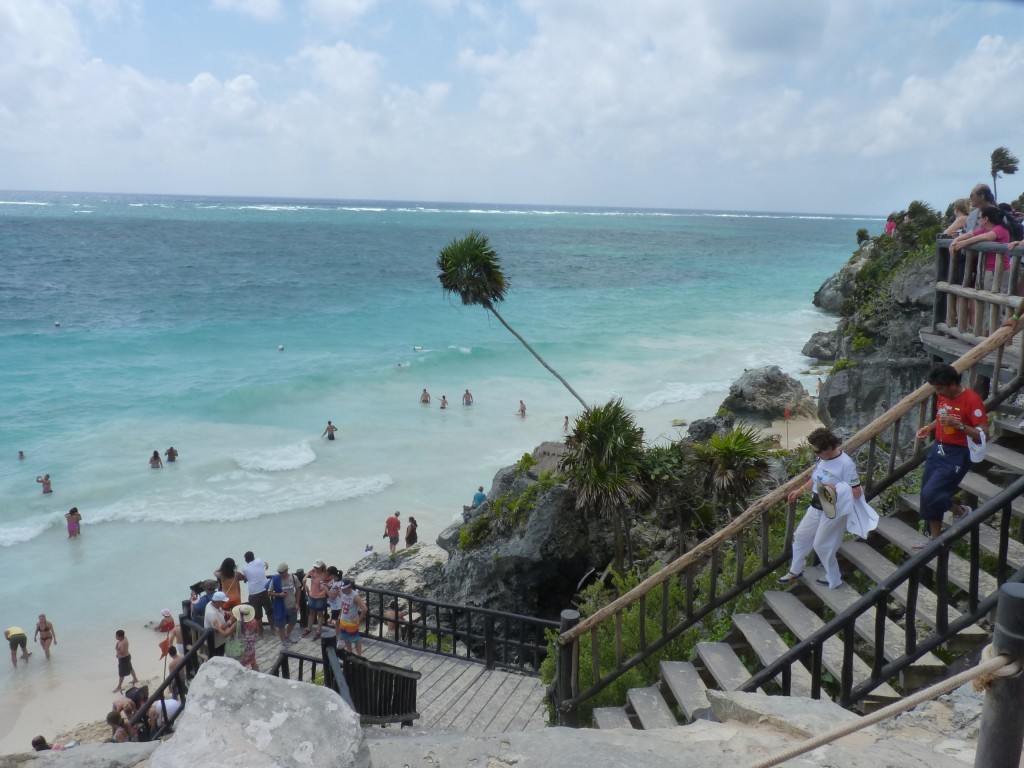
x=802 y=622
x=925 y=671
x=1011 y=424
x=906 y=538
x=686 y=687
x=722 y=663
x=607 y=718
x=988 y=536
x=766 y=643
x=878 y=568
x=650 y=708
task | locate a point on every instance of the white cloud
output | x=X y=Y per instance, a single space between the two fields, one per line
x=710 y=103
x=259 y=9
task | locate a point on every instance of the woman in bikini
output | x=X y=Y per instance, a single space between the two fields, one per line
x=230 y=582
x=44 y=634
x=74 y=523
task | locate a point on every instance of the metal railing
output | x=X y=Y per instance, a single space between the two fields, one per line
x=481 y=635
x=883 y=438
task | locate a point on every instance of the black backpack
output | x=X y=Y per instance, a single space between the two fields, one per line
x=1012 y=225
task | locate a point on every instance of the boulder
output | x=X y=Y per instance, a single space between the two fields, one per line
x=415 y=571
x=822 y=346
x=762 y=395
x=701 y=430
x=241 y=719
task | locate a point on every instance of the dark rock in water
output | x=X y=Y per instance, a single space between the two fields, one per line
x=762 y=395
x=821 y=346
x=531 y=566
x=701 y=430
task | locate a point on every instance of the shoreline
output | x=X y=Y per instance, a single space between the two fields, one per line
x=57 y=699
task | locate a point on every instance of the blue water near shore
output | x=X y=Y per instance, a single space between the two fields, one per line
x=171 y=311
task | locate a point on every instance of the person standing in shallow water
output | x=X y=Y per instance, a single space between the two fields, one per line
x=444 y=402
x=467 y=398
x=155 y=461
x=45 y=634
x=44 y=480
x=425 y=397
x=329 y=430
x=74 y=523
x=171 y=454
x=522 y=410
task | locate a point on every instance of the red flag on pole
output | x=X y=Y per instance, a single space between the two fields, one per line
x=787 y=414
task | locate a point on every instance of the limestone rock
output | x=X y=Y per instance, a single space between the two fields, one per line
x=547 y=456
x=531 y=567
x=126 y=755
x=415 y=571
x=761 y=395
x=701 y=430
x=835 y=291
x=821 y=346
x=236 y=718
x=802 y=718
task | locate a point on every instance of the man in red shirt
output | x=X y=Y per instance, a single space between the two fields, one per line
x=960 y=414
x=392 y=528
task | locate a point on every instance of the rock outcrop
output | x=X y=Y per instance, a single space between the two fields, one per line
x=701 y=430
x=762 y=395
x=838 y=289
x=416 y=571
x=245 y=719
x=823 y=346
x=530 y=565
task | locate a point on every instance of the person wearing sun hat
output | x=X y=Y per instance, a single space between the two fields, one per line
x=245 y=615
x=222 y=623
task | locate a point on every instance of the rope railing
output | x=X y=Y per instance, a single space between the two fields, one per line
x=756 y=510
x=991 y=667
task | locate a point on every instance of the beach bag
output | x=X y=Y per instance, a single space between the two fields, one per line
x=235 y=647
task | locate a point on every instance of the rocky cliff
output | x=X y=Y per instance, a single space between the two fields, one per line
x=883 y=300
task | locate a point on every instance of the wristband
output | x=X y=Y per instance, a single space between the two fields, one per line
x=1016 y=317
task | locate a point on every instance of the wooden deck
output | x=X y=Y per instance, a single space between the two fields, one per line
x=452 y=694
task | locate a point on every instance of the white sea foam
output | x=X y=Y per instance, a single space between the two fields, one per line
x=279 y=459
x=677 y=392
x=236 y=496
x=23 y=202
x=26 y=530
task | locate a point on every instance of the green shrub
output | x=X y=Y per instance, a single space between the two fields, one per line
x=525 y=464
x=862 y=236
x=842 y=365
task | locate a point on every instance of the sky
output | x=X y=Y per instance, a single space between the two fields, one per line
x=840 y=106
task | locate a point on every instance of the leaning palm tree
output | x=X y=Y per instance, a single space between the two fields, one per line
x=1004 y=162
x=472 y=269
x=736 y=465
x=602 y=463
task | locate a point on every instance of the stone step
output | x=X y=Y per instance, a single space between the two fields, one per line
x=607 y=718
x=988 y=536
x=924 y=671
x=722 y=663
x=650 y=708
x=1011 y=424
x=878 y=568
x=766 y=643
x=802 y=622
x=906 y=538
x=685 y=685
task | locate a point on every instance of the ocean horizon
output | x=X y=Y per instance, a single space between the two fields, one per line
x=234 y=328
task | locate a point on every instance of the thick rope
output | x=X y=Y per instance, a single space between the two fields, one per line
x=991 y=667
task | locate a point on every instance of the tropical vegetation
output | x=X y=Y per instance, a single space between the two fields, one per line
x=1004 y=163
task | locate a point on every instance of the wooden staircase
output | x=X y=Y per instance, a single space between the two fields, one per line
x=790 y=615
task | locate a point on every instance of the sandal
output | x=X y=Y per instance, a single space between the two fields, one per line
x=964 y=512
x=306 y=633
x=317 y=635
x=790 y=577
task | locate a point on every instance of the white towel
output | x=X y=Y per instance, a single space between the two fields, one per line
x=861 y=518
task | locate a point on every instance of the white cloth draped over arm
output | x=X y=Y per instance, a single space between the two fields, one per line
x=860 y=517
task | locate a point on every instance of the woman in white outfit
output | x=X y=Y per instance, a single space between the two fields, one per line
x=834 y=474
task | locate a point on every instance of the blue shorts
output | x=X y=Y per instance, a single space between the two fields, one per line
x=317 y=603
x=352 y=637
x=944 y=469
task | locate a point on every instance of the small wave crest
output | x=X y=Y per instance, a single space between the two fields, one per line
x=677 y=392
x=27 y=530
x=281 y=459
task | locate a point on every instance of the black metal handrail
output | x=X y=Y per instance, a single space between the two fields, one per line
x=908 y=573
x=481 y=635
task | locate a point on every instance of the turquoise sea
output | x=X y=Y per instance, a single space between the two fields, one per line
x=131 y=323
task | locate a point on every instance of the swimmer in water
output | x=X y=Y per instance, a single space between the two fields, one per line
x=425 y=397
x=155 y=461
x=444 y=402
x=44 y=480
x=467 y=398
